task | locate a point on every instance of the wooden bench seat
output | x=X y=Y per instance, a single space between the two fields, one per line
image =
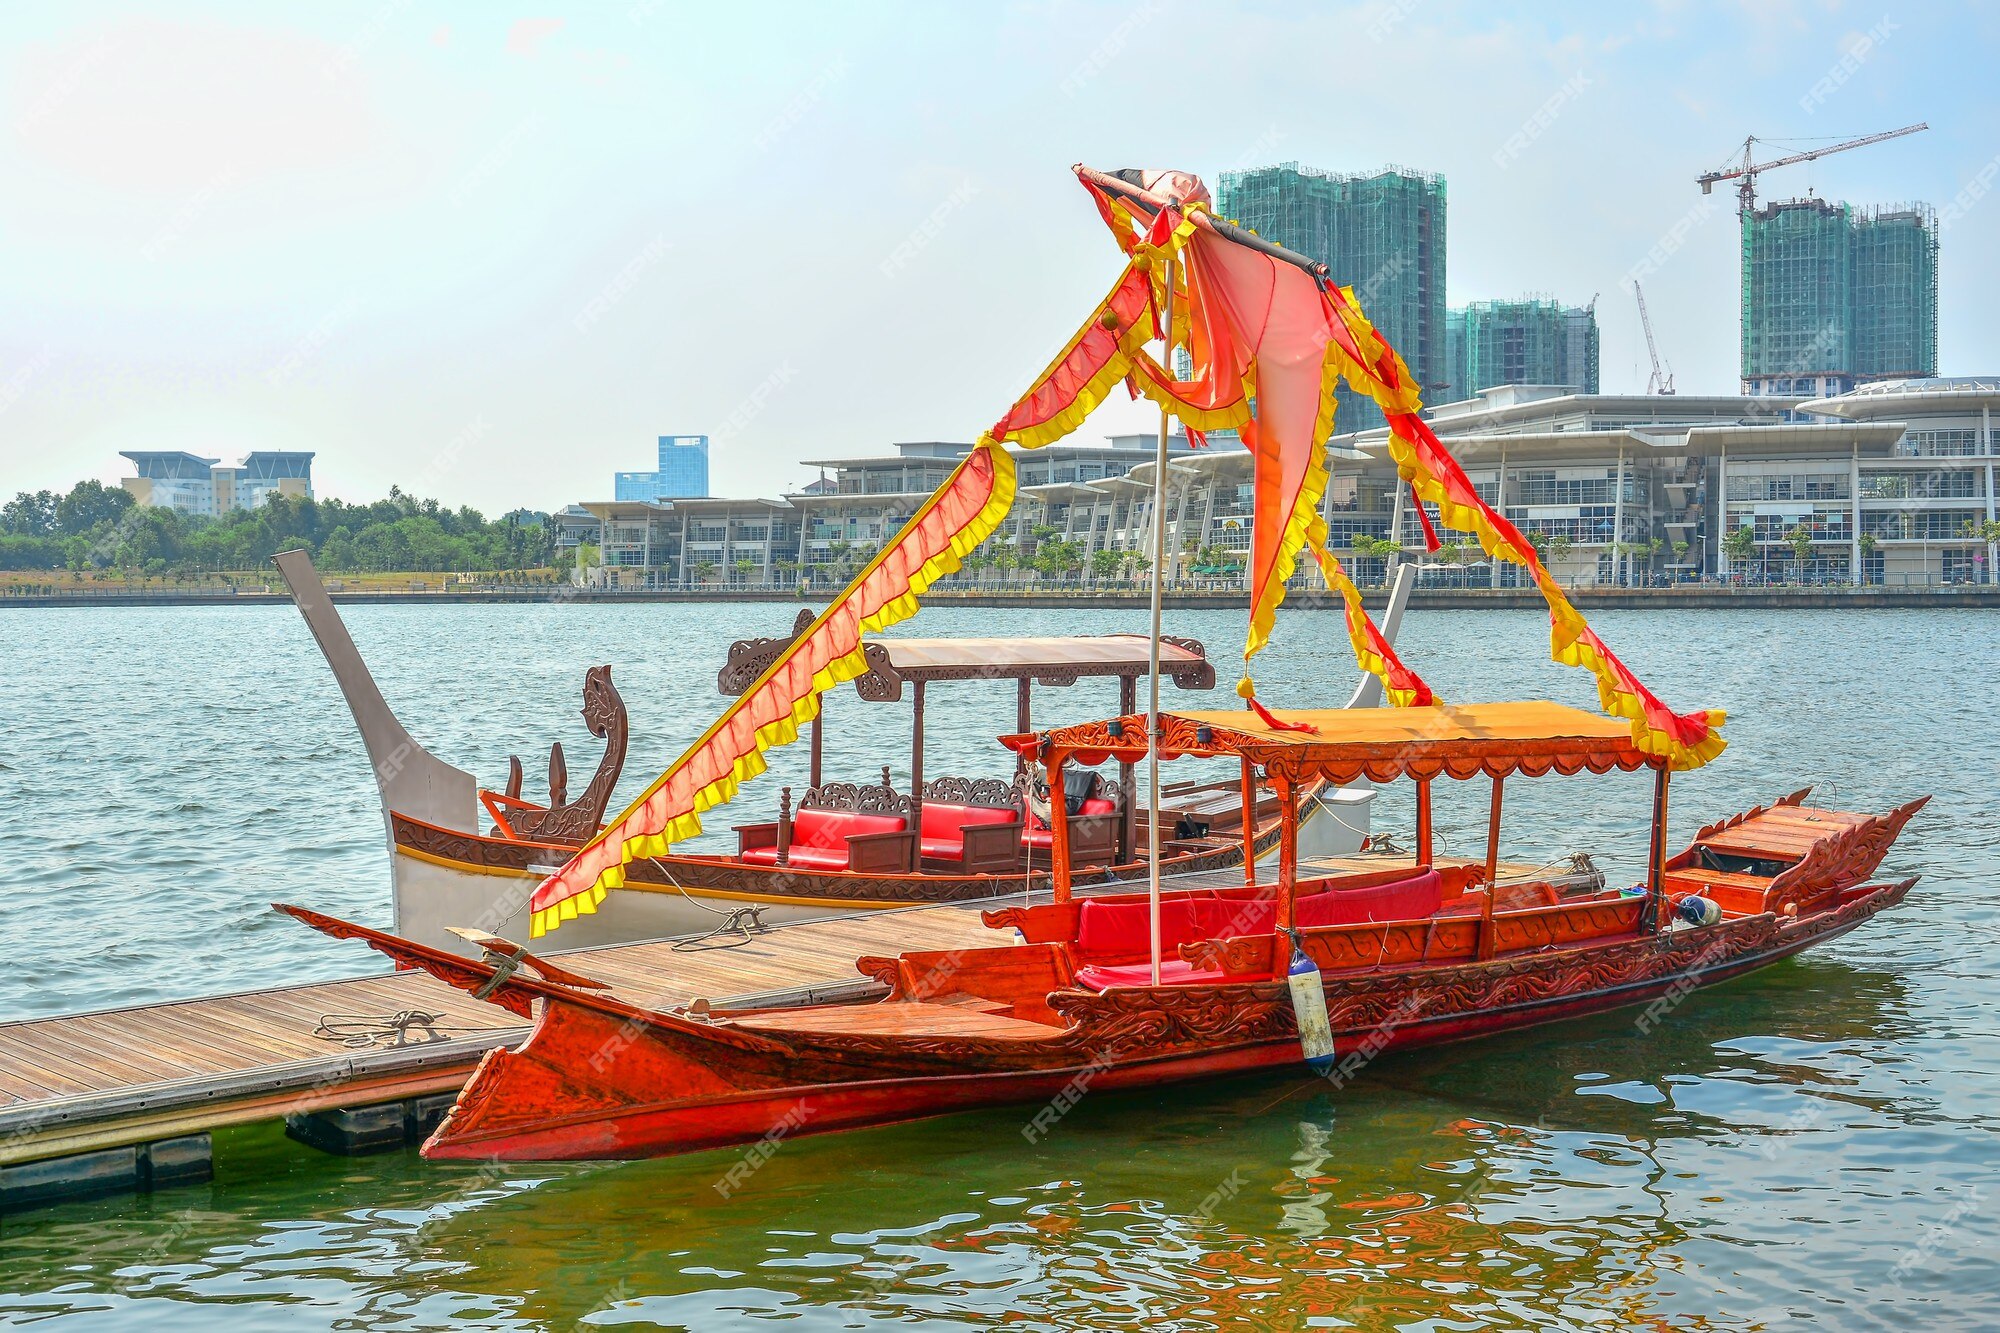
x=1736 y=894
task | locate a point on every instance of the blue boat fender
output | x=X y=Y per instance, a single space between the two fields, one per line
x=1697 y=910
x=1309 y=1006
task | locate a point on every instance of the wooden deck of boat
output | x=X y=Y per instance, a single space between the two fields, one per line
x=84 y=1082
x=80 y=1087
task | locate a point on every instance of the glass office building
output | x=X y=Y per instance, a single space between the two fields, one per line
x=682 y=474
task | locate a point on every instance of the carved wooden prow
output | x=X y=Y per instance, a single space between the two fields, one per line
x=558 y=777
x=575 y=821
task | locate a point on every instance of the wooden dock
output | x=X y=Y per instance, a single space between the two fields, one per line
x=125 y=1099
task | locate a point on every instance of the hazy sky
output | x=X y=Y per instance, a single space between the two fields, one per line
x=491 y=253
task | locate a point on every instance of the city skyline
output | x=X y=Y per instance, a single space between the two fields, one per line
x=489 y=256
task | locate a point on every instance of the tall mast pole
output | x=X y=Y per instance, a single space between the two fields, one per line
x=1153 y=661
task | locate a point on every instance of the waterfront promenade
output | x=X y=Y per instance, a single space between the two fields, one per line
x=1084 y=596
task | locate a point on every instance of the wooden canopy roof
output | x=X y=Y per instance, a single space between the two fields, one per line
x=1343 y=744
x=1051 y=661
x=1044 y=660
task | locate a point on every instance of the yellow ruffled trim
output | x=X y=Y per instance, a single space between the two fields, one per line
x=786 y=730
x=1134 y=336
x=1566 y=624
x=1227 y=417
x=1305 y=523
x=1358 y=622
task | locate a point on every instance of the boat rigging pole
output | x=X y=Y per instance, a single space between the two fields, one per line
x=1153 y=660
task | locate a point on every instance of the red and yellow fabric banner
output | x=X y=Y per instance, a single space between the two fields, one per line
x=1401 y=686
x=1256 y=328
x=1270 y=342
x=1685 y=740
x=963 y=513
x=1087 y=368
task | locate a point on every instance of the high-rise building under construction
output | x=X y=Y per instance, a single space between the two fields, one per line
x=1535 y=341
x=1381 y=234
x=1834 y=295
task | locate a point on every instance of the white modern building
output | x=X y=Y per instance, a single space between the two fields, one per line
x=172 y=479
x=1888 y=483
x=1891 y=483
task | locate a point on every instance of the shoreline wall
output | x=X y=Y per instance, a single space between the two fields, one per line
x=1506 y=599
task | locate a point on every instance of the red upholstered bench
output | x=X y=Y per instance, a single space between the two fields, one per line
x=1093 y=834
x=833 y=840
x=1113 y=939
x=1409 y=899
x=977 y=839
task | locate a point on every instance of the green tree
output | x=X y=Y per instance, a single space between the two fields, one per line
x=1800 y=539
x=88 y=504
x=1741 y=545
x=746 y=569
x=1105 y=564
x=29 y=515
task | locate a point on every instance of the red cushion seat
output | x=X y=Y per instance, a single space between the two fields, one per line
x=819 y=838
x=1114 y=933
x=831 y=829
x=943 y=826
x=1173 y=972
x=802 y=858
x=1118 y=932
x=1040 y=835
x=1410 y=899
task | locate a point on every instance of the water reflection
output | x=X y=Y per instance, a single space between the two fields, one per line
x=1506 y=1181
x=1814 y=1143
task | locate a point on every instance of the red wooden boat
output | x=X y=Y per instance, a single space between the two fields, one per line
x=1408 y=956
x=463 y=855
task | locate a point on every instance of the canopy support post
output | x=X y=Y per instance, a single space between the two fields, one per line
x=819 y=719
x=1485 y=949
x=1493 y=834
x=917 y=752
x=1656 y=858
x=1153 y=658
x=1058 y=827
x=1128 y=814
x=1249 y=823
x=1423 y=821
x=1288 y=851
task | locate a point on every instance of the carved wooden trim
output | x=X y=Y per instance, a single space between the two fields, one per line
x=751 y=658
x=992 y=792
x=879 y=684
x=871 y=799
x=1843 y=860
x=578 y=820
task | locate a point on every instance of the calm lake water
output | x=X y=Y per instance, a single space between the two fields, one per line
x=1816 y=1143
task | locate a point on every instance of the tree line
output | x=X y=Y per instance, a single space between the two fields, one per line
x=98 y=527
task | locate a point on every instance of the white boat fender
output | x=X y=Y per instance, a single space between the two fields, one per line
x=1309 y=1007
x=1697 y=910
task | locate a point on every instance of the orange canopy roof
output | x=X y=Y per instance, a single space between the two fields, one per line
x=1343 y=744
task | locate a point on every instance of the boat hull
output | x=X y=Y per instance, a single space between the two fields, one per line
x=594 y=1083
x=445 y=879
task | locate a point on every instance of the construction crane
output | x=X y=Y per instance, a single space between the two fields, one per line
x=1661 y=382
x=1746 y=174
